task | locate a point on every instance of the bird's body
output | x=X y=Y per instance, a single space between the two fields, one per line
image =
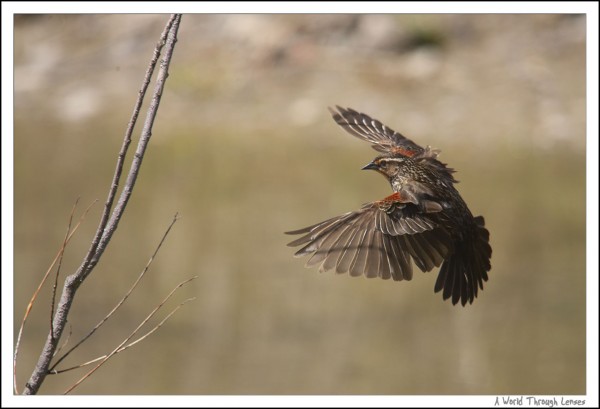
x=425 y=220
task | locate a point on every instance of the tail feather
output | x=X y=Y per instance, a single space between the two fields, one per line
x=464 y=272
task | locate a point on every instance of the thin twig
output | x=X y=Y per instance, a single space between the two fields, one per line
x=140 y=339
x=154 y=311
x=60 y=258
x=66 y=341
x=123 y=299
x=37 y=291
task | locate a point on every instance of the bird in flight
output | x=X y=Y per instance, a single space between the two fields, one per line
x=425 y=220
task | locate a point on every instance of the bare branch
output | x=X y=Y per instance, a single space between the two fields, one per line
x=60 y=258
x=135 y=331
x=66 y=341
x=40 y=285
x=140 y=339
x=160 y=324
x=108 y=226
x=141 y=148
x=123 y=152
x=123 y=299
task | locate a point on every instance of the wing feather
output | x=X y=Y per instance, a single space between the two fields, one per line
x=378 y=240
x=383 y=138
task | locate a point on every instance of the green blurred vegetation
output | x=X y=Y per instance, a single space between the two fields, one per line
x=244 y=149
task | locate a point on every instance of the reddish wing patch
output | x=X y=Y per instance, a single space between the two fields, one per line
x=398 y=150
x=394 y=198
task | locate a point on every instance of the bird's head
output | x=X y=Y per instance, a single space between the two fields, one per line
x=388 y=166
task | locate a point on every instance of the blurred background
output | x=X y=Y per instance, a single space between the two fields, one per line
x=245 y=149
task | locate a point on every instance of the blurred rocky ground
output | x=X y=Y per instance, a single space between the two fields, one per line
x=254 y=71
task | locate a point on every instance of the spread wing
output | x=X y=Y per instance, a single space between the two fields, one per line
x=386 y=140
x=376 y=241
x=371 y=130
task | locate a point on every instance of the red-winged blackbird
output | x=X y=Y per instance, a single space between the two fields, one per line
x=425 y=219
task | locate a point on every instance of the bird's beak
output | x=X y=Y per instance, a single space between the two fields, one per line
x=371 y=166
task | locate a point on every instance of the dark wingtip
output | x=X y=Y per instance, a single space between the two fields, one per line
x=341 y=111
x=291 y=232
x=338 y=115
